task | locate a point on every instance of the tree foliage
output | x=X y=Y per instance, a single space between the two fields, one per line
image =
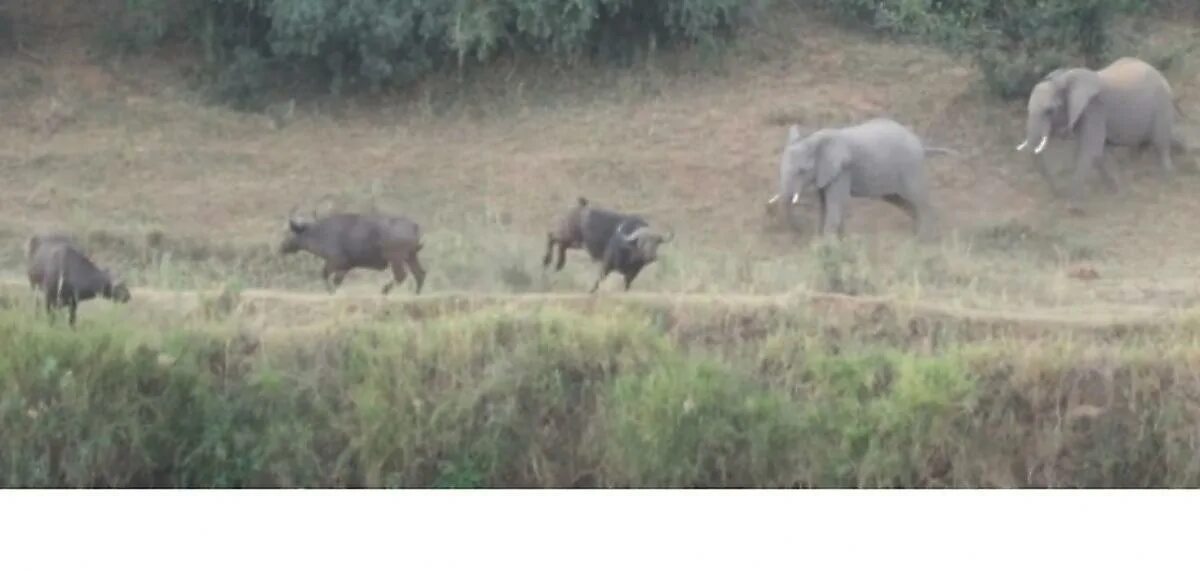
x=1015 y=42
x=376 y=43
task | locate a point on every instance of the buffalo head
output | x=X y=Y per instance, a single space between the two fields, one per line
x=116 y=290
x=296 y=227
x=646 y=241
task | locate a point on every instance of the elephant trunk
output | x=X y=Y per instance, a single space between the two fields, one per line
x=789 y=186
x=1037 y=132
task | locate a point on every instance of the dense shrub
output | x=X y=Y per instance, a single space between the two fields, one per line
x=1015 y=42
x=388 y=42
x=612 y=398
x=374 y=43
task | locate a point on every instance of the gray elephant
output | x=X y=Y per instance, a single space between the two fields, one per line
x=1128 y=103
x=879 y=158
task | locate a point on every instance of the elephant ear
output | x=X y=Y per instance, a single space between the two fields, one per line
x=793 y=134
x=1079 y=94
x=832 y=156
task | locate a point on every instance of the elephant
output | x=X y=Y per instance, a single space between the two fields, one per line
x=878 y=158
x=1129 y=103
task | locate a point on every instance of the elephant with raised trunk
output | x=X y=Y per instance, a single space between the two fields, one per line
x=1128 y=103
x=879 y=158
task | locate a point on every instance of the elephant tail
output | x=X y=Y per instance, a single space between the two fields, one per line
x=941 y=151
x=1175 y=102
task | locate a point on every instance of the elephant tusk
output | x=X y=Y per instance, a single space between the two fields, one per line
x=796 y=198
x=1023 y=144
x=774 y=199
x=1041 y=145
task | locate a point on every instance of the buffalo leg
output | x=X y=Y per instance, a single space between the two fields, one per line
x=562 y=257
x=604 y=271
x=629 y=277
x=326 y=272
x=336 y=280
x=398 y=276
x=418 y=272
x=71 y=305
x=549 y=250
x=50 y=305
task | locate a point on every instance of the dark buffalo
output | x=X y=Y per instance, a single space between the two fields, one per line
x=622 y=242
x=349 y=241
x=67 y=276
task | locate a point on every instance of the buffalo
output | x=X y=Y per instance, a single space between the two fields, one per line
x=622 y=242
x=67 y=276
x=347 y=241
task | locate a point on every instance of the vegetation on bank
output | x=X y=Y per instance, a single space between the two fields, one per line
x=661 y=396
x=1014 y=42
x=380 y=43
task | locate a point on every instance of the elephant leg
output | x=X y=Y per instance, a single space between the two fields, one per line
x=1078 y=180
x=916 y=198
x=837 y=195
x=822 y=212
x=1164 y=158
x=1163 y=140
x=1039 y=163
x=1089 y=152
x=833 y=219
x=909 y=208
x=1139 y=151
x=1179 y=144
x=1108 y=171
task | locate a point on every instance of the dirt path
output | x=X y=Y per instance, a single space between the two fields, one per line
x=272 y=308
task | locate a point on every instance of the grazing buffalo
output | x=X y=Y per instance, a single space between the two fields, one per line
x=67 y=276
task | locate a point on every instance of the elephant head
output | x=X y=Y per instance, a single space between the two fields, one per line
x=1056 y=104
x=812 y=161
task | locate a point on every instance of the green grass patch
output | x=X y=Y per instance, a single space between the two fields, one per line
x=553 y=397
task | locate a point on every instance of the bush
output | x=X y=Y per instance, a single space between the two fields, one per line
x=6 y=31
x=721 y=397
x=1014 y=42
x=375 y=43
